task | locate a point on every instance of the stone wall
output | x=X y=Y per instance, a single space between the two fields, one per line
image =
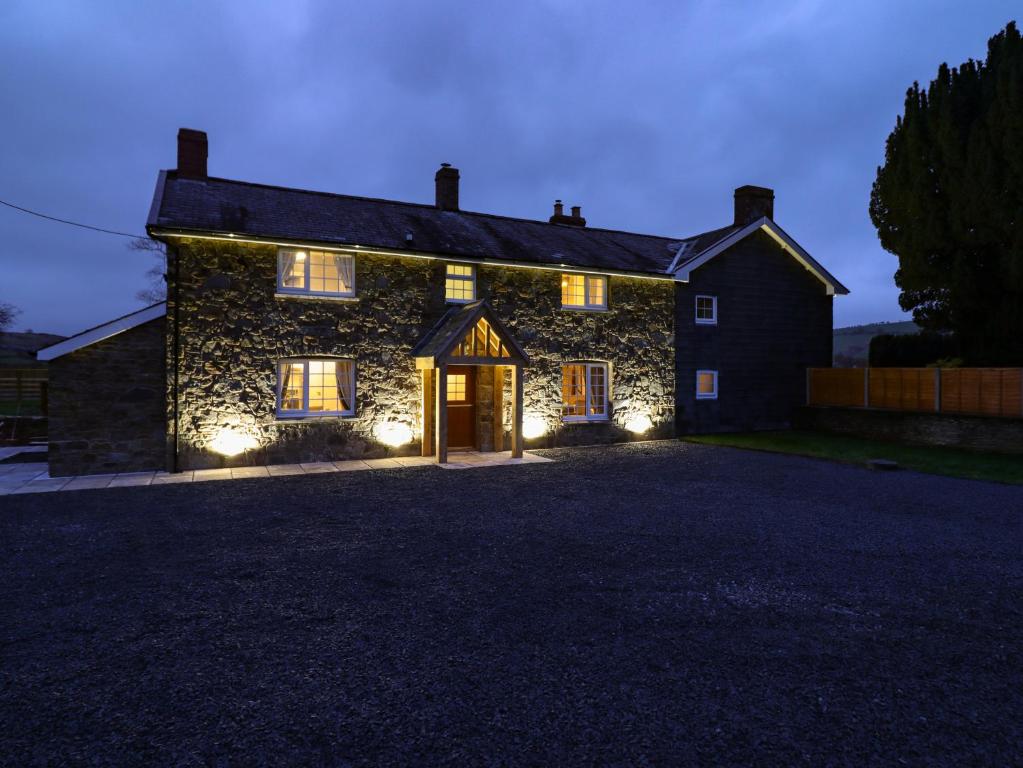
x=234 y=329
x=774 y=322
x=976 y=433
x=107 y=405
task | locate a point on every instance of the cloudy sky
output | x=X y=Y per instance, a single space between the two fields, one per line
x=646 y=114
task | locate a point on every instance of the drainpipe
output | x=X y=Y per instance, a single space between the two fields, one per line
x=176 y=351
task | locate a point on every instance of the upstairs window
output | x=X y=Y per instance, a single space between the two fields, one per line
x=706 y=385
x=584 y=392
x=460 y=283
x=706 y=310
x=315 y=388
x=583 y=291
x=321 y=273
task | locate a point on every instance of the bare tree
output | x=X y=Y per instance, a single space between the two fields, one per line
x=7 y=314
x=156 y=274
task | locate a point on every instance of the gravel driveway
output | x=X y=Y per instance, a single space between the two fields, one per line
x=652 y=604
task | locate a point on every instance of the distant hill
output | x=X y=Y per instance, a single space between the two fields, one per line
x=18 y=350
x=851 y=346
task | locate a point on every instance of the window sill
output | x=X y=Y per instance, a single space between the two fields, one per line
x=459 y=301
x=706 y=397
x=584 y=419
x=287 y=419
x=313 y=296
x=583 y=309
x=706 y=322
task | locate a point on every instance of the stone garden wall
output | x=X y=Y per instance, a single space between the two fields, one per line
x=234 y=329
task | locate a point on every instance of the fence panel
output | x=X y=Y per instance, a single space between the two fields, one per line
x=967 y=391
x=982 y=391
x=21 y=391
x=836 y=386
x=902 y=389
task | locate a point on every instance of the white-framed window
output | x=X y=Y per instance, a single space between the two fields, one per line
x=706 y=310
x=583 y=291
x=315 y=387
x=320 y=273
x=584 y=392
x=460 y=283
x=706 y=385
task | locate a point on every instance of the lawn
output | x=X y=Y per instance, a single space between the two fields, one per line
x=952 y=462
x=652 y=604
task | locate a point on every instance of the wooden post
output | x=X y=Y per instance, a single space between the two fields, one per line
x=441 y=423
x=498 y=407
x=427 y=441
x=937 y=390
x=44 y=398
x=516 y=448
x=866 y=387
x=809 y=381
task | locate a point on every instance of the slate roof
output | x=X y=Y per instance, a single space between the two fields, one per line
x=221 y=206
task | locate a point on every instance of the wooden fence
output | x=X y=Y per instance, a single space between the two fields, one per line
x=968 y=391
x=23 y=391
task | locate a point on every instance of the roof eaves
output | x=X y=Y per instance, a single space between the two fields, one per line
x=104 y=331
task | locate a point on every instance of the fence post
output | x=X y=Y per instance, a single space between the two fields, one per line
x=937 y=390
x=44 y=398
x=866 y=387
x=809 y=378
x=17 y=390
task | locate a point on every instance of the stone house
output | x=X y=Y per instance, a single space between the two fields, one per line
x=304 y=326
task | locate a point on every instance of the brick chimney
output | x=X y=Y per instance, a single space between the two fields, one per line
x=752 y=203
x=559 y=217
x=192 y=152
x=447 y=187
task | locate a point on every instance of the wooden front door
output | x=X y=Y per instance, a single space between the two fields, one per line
x=461 y=406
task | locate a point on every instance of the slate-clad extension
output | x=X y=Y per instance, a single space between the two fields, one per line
x=293 y=320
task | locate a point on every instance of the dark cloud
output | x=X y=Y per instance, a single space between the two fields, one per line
x=648 y=115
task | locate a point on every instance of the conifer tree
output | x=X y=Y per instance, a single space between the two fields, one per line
x=948 y=202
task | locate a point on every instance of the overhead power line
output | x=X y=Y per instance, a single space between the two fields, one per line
x=71 y=223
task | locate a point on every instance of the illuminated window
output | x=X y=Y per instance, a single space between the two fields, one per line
x=316 y=388
x=456 y=387
x=481 y=341
x=583 y=291
x=706 y=310
x=316 y=272
x=584 y=392
x=460 y=283
x=706 y=385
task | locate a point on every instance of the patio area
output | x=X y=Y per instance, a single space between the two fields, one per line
x=34 y=477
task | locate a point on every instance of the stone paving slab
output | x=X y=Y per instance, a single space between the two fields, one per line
x=34 y=478
x=350 y=466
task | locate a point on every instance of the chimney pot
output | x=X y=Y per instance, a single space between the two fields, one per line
x=559 y=217
x=446 y=181
x=752 y=203
x=193 y=149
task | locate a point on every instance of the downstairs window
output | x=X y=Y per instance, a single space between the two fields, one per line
x=584 y=392
x=315 y=388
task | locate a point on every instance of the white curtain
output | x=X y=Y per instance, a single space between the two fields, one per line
x=345 y=266
x=344 y=371
x=287 y=266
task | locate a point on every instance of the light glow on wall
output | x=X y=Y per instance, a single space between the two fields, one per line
x=639 y=423
x=231 y=442
x=393 y=433
x=533 y=426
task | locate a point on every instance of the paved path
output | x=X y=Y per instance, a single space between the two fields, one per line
x=656 y=604
x=33 y=477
